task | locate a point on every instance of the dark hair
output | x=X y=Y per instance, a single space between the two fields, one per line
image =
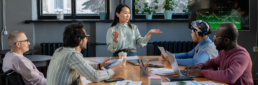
x=73 y=34
x=118 y=10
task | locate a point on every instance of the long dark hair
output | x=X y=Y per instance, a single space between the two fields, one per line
x=118 y=10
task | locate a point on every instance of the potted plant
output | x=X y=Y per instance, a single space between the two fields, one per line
x=60 y=14
x=186 y=10
x=147 y=10
x=169 y=7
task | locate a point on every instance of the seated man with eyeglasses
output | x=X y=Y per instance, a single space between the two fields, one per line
x=234 y=62
x=14 y=60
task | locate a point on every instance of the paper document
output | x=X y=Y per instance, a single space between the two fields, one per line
x=162 y=71
x=187 y=83
x=131 y=57
x=101 y=60
x=209 y=83
x=192 y=83
x=84 y=80
x=129 y=82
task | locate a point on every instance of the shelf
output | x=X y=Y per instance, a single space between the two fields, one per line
x=107 y=21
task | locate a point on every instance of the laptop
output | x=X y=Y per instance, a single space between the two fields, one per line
x=174 y=64
x=175 y=67
x=162 y=50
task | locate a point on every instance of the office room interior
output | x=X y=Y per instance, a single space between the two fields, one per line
x=39 y=20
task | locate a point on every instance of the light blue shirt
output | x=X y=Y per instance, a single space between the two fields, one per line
x=128 y=38
x=188 y=59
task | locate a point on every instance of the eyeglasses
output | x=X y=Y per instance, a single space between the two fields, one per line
x=214 y=37
x=87 y=36
x=22 y=41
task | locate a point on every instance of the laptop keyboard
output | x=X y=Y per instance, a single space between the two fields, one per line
x=182 y=72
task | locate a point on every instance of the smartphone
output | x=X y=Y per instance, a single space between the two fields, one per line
x=158 y=66
x=114 y=79
x=112 y=64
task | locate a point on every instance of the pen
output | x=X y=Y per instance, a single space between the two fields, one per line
x=146 y=63
x=139 y=61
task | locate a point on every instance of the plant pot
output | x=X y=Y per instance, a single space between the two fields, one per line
x=60 y=16
x=148 y=16
x=102 y=15
x=168 y=14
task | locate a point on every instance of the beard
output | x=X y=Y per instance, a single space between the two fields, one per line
x=220 y=46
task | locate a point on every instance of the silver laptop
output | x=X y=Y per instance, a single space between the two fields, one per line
x=174 y=64
x=163 y=52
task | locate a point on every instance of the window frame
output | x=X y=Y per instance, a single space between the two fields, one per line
x=73 y=13
x=157 y=15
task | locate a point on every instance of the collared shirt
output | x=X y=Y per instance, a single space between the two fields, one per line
x=22 y=65
x=67 y=64
x=128 y=38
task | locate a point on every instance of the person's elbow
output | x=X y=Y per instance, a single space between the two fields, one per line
x=230 y=81
x=111 y=50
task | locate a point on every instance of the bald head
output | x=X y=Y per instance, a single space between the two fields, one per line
x=228 y=30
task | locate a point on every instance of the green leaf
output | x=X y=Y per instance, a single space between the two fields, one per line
x=139 y=6
x=156 y=1
x=137 y=0
x=142 y=12
x=156 y=7
x=136 y=11
x=154 y=12
x=135 y=3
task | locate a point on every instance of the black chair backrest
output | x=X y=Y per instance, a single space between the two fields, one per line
x=11 y=77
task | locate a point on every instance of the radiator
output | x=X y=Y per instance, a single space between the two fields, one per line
x=174 y=47
x=49 y=49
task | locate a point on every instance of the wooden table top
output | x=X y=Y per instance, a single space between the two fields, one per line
x=132 y=72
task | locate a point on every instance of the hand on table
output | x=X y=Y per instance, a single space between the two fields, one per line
x=193 y=72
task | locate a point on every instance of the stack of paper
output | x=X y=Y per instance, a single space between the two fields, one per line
x=208 y=83
x=101 y=60
x=131 y=57
x=192 y=83
x=162 y=71
x=129 y=82
x=84 y=80
x=155 y=80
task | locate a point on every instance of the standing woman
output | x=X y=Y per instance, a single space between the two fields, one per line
x=123 y=36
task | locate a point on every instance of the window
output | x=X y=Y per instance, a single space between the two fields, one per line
x=177 y=13
x=72 y=9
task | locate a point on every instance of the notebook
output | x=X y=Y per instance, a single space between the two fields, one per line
x=179 y=78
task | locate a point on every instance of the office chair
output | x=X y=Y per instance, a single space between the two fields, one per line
x=11 y=77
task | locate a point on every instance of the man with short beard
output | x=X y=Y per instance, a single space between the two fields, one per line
x=234 y=61
x=68 y=63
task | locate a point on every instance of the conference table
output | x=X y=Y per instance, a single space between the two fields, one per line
x=132 y=72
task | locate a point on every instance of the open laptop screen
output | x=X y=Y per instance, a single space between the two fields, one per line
x=173 y=63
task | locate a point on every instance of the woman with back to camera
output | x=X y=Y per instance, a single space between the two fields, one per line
x=124 y=36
